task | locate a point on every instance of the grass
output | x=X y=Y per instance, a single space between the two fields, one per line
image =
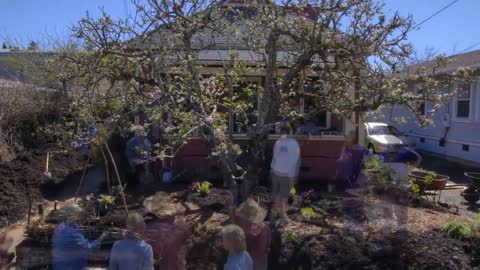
x=289 y=237
x=458 y=230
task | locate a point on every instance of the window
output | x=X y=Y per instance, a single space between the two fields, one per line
x=236 y=13
x=318 y=117
x=463 y=101
x=248 y=118
x=466 y=147
x=422 y=140
x=421 y=108
x=441 y=143
x=316 y=120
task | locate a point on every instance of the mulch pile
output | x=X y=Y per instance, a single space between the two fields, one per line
x=25 y=175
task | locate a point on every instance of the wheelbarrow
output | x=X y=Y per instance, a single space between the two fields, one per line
x=472 y=194
x=434 y=186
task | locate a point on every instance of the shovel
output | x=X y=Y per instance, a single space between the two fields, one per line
x=46 y=172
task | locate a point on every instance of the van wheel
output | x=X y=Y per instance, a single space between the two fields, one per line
x=371 y=148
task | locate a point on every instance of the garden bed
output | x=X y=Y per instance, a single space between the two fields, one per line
x=23 y=177
x=322 y=241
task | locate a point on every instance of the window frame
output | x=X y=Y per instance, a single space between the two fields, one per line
x=302 y=108
x=327 y=114
x=456 y=101
x=420 y=103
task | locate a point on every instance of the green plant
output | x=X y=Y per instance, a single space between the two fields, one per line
x=40 y=232
x=430 y=177
x=287 y=237
x=415 y=188
x=204 y=231
x=475 y=227
x=203 y=188
x=293 y=192
x=380 y=174
x=373 y=164
x=107 y=200
x=458 y=230
x=308 y=213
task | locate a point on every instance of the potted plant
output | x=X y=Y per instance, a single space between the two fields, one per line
x=428 y=180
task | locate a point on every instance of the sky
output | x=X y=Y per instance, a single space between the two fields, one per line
x=449 y=32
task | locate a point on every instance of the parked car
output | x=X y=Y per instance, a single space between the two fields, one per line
x=381 y=137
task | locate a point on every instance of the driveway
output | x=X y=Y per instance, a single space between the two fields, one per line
x=443 y=166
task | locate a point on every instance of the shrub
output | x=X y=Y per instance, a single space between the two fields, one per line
x=458 y=230
x=204 y=231
x=308 y=213
x=26 y=112
x=287 y=237
x=380 y=174
x=40 y=232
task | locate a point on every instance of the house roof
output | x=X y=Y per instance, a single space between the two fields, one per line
x=215 y=47
x=469 y=59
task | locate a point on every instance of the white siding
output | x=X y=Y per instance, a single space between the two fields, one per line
x=464 y=131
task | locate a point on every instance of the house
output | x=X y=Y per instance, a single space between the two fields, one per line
x=456 y=130
x=319 y=148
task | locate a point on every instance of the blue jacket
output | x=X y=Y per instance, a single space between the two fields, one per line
x=131 y=254
x=70 y=248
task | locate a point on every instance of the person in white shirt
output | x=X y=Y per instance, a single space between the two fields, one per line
x=284 y=170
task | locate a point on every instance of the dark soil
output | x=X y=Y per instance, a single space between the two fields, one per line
x=22 y=178
x=217 y=200
x=344 y=250
x=321 y=243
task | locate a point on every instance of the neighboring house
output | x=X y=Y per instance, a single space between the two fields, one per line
x=456 y=130
x=320 y=147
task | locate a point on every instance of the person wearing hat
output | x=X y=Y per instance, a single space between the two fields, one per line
x=132 y=253
x=167 y=232
x=250 y=217
x=70 y=248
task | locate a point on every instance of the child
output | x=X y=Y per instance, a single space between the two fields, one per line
x=250 y=217
x=132 y=252
x=233 y=239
